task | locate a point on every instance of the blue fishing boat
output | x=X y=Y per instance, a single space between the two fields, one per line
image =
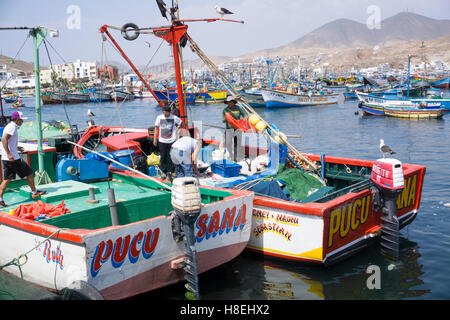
x=443 y=83
x=400 y=108
x=172 y=95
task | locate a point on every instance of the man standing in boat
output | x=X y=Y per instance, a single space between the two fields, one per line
x=233 y=110
x=166 y=126
x=11 y=162
x=237 y=113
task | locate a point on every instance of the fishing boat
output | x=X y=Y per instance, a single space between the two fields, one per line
x=338 y=210
x=210 y=96
x=77 y=97
x=117 y=232
x=254 y=98
x=403 y=108
x=413 y=113
x=10 y=98
x=279 y=99
x=50 y=97
x=172 y=95
x=443 y=83
x=121 y=95
x=99 y=95
x=79 y=241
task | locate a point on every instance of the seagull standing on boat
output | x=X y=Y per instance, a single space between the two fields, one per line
x=222 y=11
x=385 y=149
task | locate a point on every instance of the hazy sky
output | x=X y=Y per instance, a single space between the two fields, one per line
x=268 y=23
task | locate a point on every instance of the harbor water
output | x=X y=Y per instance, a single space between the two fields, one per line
x=337 y=130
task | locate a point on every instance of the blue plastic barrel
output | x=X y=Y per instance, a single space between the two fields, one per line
x=124 y=157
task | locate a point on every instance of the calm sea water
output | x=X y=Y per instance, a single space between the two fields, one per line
x=422 y=269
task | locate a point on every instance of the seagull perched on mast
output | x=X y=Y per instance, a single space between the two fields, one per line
x=385 y=149
x=222 y=11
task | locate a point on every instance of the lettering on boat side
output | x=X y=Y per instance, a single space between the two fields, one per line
x=54 y=255
x=118 y=250
x=274 y=225
x=348 y=217
x=210 y=226
x=407 y=197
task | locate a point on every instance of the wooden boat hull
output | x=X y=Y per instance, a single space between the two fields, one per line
x=210 y=96
x=173 y=95
x=442 y=84
x=99 y=97
x=121 y=96
x=328 y=232
x=255 y=100
x=279 y=99
x=401 y=108
x=130 y=258
x=77 y=97
x=413 y=113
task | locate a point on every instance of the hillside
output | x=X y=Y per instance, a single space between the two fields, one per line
x=348 y=33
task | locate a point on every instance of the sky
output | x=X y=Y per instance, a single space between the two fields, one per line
x=268 y=24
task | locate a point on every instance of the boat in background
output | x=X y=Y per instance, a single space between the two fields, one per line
x=210 y=96
x=77 y=97
x=400 y=108
x=443 y=83
x=121 y=95
x=99 y=95
x=253 y=97
x=280 y=99
x=52 y=97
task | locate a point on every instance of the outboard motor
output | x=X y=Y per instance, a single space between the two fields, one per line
x=186 y=201
x=387 y=174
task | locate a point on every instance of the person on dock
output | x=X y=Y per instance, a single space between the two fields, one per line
x=235 y=111
x=11 y=161
x=184 y=154
x=166 y=126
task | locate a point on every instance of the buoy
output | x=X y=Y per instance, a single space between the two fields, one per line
x=280 y=137
x=254 y=119
x=260 y=126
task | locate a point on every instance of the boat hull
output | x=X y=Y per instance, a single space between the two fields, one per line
x=401 y=108
x=328 y=232
x=442 y=84
x=279 y=99
x=128 y=259
x=255 y=100
x=210 y=97
x=172 y=96
x=77 y=98
x=121 y=96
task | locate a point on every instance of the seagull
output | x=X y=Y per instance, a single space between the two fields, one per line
x=90 y=113
x=222 y=11
x=385 y=149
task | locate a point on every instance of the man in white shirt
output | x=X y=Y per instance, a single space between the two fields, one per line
x=166 y=125
x=11 y=162
x=184 y=154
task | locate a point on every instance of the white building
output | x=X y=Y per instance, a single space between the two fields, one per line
x=70 y=71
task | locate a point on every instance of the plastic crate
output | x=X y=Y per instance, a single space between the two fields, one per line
x=226 y=168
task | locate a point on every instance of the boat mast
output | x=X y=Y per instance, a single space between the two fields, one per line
x=409 y=69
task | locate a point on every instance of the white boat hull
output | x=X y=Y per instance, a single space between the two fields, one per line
x=280 y=99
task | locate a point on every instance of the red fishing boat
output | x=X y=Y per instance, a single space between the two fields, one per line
x=346 y=204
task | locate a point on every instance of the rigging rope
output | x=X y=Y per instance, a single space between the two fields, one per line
x=20 y=49
x=222 y=78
